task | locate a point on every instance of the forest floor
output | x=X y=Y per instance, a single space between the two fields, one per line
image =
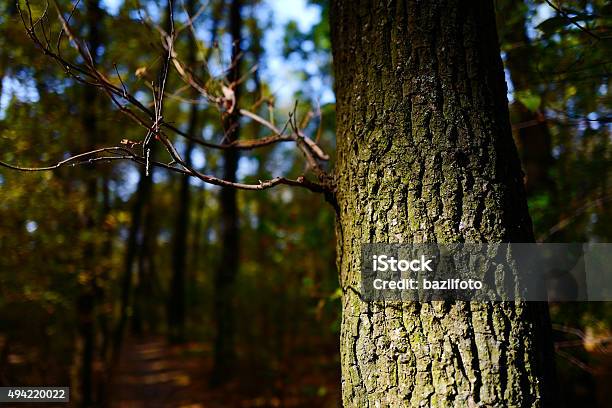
x=152 y=373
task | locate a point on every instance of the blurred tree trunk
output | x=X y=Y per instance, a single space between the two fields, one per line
x=198 y=244
x=142 y=195
x=176 y=304
x=532 y=132
x=103 y=300
x=225 y=274
x=199 y=229
x=145 y=316
x=425 y=154
x=11 y=12
x=89 y=290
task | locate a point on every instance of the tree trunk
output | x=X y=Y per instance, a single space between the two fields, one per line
x=425 y=154
x=532 y=132
x=176 y=304
x=199 y=228
x=145 y=317
x=89 y=291
x=225 y=275
x=142 y=195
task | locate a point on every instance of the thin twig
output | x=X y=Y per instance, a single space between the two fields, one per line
x=571 y=20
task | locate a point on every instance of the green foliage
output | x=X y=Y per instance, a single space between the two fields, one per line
x=529 y=99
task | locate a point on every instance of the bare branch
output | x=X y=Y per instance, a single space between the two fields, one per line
x=571 y=20
x=123 y=153
x=154 y=123
x=73 y=160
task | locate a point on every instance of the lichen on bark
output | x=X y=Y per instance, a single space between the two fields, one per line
x=425 y=154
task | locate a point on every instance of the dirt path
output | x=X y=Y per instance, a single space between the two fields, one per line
x=153 y=374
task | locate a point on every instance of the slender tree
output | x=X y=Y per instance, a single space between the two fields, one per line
x=532 y=132
x=141 y=195
x=176 y=304
x=90 y=290
x=144 y=317
x=425 y=154
x=199 y=228
x=225 y=274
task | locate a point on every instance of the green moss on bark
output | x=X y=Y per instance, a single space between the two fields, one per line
x=425 y=154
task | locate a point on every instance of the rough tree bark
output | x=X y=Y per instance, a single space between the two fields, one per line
x=425 y=154
x=225 y=274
